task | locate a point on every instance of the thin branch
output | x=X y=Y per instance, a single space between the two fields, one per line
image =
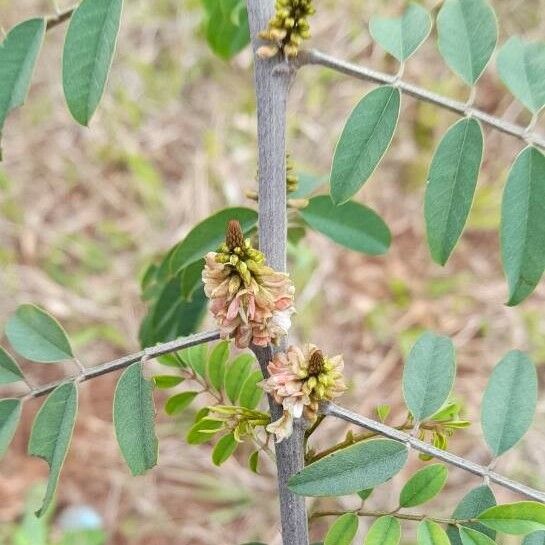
x=125 y=361
x=59 y=18
x=412 y=442
x=403 y=516
x=309 y=57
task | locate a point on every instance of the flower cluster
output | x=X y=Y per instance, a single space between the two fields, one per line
x=298 y=380
x=288 y=28
x=250 y=301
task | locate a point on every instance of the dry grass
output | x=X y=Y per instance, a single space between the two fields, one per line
x=82 y=211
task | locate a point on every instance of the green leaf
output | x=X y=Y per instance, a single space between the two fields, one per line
x=469 y=536
x=224 y=448
x=87 y=55
x=364 y=141
x=227 y=30
x=208 y=235
x=52 y=432
x=351 y=225
x=509 y=402
x=10 y=414
x=522 y=225
x=134 y=420
x=37 y=336
x=472 y=504
x=308 y=184
x=18 y=54
x=384 y=531
x=467 y=35
x=423 y=485
x=518 y=518
x=236 y=374
x=364 y=494
x=428 y=375
x=164 y=382
x=216 y=364
x=196 y=357
x=521 y=66
x=203 y=430
x=343 y=531
x=9 y=370
x=253 y=462
x=401 y=37
x=451 y=186
x=536 y=538
x=179 y=402
x=430 y=533
x=363 y=465
x=251 y=393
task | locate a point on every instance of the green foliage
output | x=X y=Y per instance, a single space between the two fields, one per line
x=469 y=536
x=203 y=430
x=424 y=485
x=467 y=34
x=364 y=141
x=343 y=530
x=401 y=37
x=428 y=375
x=18 y=54
x=518 y=518
x=384 y=531
x=521 y=66
x=251 y=393
x=52 y=433
x=363 y=465
x=37 y=336
x=217 y=363
x=88 y=53
x=134 y=420
x=474 y=503
x=351 y=225
x=164 y=382
x=236 y=374
x=226 y=27
x=430 y=533
x=179 y=402
x=522 y=225
x=509 y=402
x=364 y=494
x=451 y=186
x=10 y=414
x=9 y=370
x=224 y=449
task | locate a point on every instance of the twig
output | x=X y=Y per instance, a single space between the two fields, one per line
x=309 y=57
x=331 y=409
x=403 y=516
x=125 y=361
x=59 y=18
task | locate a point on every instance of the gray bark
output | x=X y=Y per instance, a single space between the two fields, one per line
x=272 y=82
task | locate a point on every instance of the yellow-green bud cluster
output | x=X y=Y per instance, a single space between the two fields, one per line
x=238 y=252
x=319 y=376
x=288 y=27
x=240 y=421
x=292 y=180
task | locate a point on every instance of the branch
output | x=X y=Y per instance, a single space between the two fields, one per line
x=313 y=56
x=272 y=82
x=115 y=365
x=402 y=516
x=59 y=18
x=331 y=409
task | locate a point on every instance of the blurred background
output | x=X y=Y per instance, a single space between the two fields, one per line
x=84 y=211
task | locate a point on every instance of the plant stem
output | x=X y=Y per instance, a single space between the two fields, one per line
x=402 y=516
x=272 y=81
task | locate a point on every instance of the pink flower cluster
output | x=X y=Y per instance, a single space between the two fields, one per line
x=250 y=301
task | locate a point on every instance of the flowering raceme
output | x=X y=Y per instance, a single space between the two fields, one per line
x=298 y=380
x=250 y=301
